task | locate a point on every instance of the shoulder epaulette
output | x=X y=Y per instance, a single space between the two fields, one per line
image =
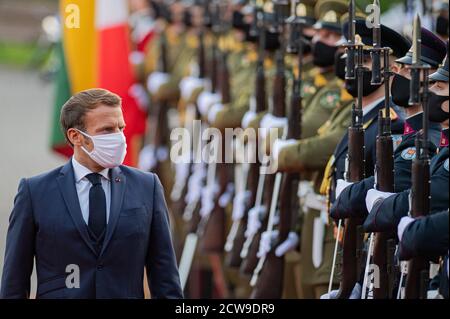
x=320 y=80
x=392 y=113
x=192 y=41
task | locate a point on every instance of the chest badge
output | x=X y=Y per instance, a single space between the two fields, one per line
x=409 y=153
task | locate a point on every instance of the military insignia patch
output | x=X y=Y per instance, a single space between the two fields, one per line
x=446 y=164
x=329 y=100
x=308 y=89
x=409 y=153
x=396 y=140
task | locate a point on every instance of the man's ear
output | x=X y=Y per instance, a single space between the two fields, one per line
x=395 y=67
x=74 y=137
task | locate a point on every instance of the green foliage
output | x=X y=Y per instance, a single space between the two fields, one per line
x=16 y=54
x=385 y=4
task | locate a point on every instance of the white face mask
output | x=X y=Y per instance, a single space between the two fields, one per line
x=109 y=149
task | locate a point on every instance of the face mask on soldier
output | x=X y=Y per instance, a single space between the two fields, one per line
x=339 y=65
x=238 y=20
x=248 y=36
x=400 y=90
x=442 y=26
x=187 y=19
x=323 y=54
x=436 y=113
x=307 y=47
x=352 y=85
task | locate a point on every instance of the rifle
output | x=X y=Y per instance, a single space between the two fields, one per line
x=277 y=108
x=417 y=278
x=269 y=275
x=236 y=237
x=209 y=226
x=384 y=168
x=352 y=240
x=180 y=187
x=159 y=120
x=207 y=68
x=214 y=236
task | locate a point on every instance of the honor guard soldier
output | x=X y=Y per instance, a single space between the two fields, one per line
x=351 y=201
x=325 y=118
x=391 y=208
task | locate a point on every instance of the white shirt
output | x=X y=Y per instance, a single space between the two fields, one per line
x=83 y=187
x=371 y=106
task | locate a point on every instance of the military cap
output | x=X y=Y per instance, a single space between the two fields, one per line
x=442 y=73
x=433 y=50
x=389 y=38
x=305 y=10
x=329 y=13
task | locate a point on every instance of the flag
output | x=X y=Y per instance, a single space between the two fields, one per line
x=115 y=72
x=77 y=61
x=94 y=53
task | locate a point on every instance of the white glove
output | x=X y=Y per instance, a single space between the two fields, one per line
x=208 y=197
x=226 y=197
x=278 y=145
x=270 y=121
x=205 y=100
x=254 y=220
x=181 y=175
x=266 y=242
x=162 y=153
x=374 y=195
x=213 y=110
x=304 y=188
x=156 y=80
x=356 y=293
x=195 y=183
x=136 y=57
x=137 y=91
x=147 y=159
x=404 y=222
x=188 y=85
x=289 y=244
x=340 y=186
x=248 y=117
x=331 y=295
x=240 y=201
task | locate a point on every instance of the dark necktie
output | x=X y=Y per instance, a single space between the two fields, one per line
x=97 y=205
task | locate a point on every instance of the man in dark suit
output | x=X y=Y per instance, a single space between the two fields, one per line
x=92 y=225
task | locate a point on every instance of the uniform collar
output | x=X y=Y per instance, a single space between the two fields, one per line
x=444 y=138
x=81 y=171
x=371 y=106
x=413 y=123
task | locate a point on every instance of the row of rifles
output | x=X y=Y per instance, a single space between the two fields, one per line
x=278 y=192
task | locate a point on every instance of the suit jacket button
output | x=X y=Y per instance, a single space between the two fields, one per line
x=99 y=267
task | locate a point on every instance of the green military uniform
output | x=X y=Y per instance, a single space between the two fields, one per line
x=325 y=120
x=241 y=61
x=181 y=50
x=312 y=154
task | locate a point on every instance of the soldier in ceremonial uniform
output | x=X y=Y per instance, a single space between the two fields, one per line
x=392 y=207
x=372 y=100
x=427 y=237
x=163 y=85
x=325 y=118
x=351 y=201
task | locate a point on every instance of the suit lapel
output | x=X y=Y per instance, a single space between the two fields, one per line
x=118 y=186
x=66 y=183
